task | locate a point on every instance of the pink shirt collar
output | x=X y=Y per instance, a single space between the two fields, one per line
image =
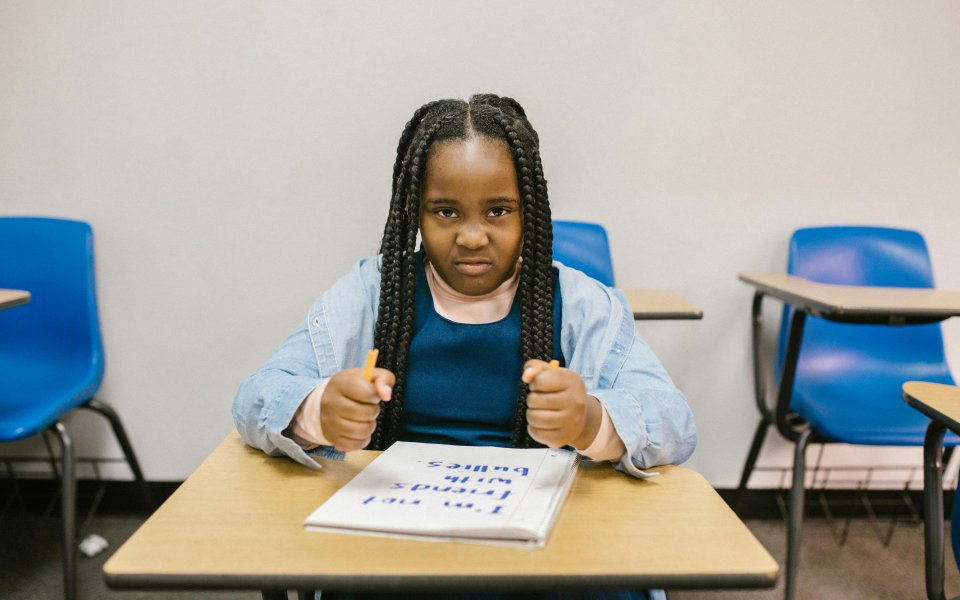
x=473 y=310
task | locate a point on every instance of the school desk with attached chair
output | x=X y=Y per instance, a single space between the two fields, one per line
x=237 y=523
x=861 y=337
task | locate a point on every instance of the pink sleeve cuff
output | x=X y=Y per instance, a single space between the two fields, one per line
x=607 y=445
x=305 y=426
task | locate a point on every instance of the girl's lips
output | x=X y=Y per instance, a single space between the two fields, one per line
x=472 y=268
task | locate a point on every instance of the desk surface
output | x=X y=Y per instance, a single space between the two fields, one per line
x=10 y=298
x=237 y=522
x=936 y=400
x=848 y=301
x=660 y=304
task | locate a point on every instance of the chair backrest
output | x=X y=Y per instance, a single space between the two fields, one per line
x=876 y=256
x=583 y=246
x=53 y=260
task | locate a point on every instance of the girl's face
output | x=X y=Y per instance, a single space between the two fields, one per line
x=470 y=217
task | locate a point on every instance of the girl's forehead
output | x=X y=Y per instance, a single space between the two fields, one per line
x=473 y=157
x=471 y=145
x=475 y=153
x=473 y=171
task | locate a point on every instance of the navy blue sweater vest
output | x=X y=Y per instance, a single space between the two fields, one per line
x=463 y=380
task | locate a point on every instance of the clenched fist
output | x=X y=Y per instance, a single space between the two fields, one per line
x=559 y=410
x=350 y=406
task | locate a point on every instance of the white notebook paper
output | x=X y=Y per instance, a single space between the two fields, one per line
x=453 y=493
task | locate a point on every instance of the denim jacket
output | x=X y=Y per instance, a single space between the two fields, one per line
x=597 y=338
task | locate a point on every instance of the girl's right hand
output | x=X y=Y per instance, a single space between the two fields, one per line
x=350 y=406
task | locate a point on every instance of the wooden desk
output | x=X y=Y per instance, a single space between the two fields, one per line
x=936 y=400
x=9 y=298
x=942 y=404
x=237 y=522
x=660 y=304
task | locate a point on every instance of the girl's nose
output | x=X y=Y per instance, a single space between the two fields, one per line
x=472 y=236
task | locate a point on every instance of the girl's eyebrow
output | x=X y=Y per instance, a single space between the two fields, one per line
x=443 y=201
x=452 y=202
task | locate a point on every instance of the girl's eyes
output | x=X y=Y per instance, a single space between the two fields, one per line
x=449 y=213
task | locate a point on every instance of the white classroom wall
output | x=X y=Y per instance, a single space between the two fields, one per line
x=234 y=159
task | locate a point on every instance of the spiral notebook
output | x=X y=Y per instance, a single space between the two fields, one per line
x=503 y=496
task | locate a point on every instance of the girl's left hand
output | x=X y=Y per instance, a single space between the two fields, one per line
x=559 y=410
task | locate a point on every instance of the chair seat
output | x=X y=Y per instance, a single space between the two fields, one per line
x=849 y=380
x=869 y=411
x=41 y=393
x=854 y=420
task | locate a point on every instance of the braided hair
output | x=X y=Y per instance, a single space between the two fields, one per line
x=497 y=118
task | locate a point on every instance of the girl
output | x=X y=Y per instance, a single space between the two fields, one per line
x=466 y=324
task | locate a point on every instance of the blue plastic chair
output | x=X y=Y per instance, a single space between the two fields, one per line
x=847 y=371
x=583 y=246
x=51 y=355
x=849 y=375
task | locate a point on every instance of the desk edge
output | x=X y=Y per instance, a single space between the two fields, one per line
x=839 y=312
x=758 y=579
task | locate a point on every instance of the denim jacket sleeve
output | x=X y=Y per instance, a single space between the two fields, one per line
x=336 y=335
x=600 y=343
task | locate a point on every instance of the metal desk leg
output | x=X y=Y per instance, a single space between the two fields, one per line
x=933 y=509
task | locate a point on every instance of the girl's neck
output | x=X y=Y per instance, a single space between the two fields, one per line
x=474 y=310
